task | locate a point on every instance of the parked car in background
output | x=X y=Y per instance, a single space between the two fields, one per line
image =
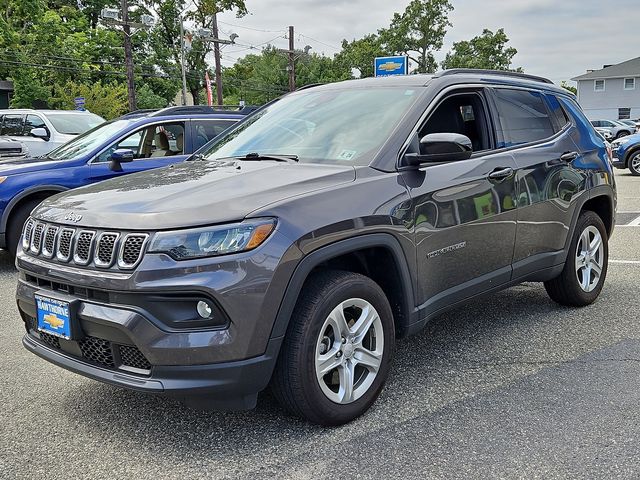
x=617 y=130
x=12 y=149
x=132 y=143
x=631 y=123
x=605 y=133
x=626 y=153
x=44 y=130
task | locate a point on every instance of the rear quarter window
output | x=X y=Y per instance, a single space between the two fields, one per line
x=523 y=115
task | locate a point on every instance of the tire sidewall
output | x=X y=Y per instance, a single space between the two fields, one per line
x=630 y=165
x=16 y=223
x=586 y=220
x=335 y=413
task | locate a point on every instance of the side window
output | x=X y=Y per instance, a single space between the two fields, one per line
x=595 y=123
x=523 y=116
x=33 y=121
x=206 y=130
x=606 y=123
x=163 y=140
x=12 y=125
x=557 y=112
x=462 y=113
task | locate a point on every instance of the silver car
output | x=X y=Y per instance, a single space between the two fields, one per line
x=44 y=130
x=617 y=130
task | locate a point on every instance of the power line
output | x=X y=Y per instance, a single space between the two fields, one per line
x=251 y=28
x=320 y=42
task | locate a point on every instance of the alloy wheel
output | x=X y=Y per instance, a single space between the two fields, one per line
x=589 y=258
x=635 y=163
x=349 y=351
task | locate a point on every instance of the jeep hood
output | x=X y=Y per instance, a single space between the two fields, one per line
x=189 y=194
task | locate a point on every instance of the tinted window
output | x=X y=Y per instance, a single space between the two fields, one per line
x=523 y=116
x=206 y=130
x=163 y=140
x=560 y=116
x=33 y=121
x=12 y=125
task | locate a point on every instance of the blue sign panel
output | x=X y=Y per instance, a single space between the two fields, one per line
x=79 y=102
x=385 y=66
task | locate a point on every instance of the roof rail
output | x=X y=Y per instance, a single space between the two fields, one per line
x=202 y=109
x=142 y=111
x=457 y=71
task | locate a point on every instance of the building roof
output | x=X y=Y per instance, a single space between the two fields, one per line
x=630 y=68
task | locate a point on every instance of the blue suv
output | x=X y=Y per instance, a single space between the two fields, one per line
x=626 y=153
x=132 y=143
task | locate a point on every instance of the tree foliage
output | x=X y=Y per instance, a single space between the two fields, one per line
x=359 y=54
x=419 y=31
x=571 y=88
x=487 y=51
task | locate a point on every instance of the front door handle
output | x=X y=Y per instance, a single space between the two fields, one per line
x=500 y=173
x=569 y=156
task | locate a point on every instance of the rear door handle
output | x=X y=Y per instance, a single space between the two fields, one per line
x=500 y=173
x=569 y=156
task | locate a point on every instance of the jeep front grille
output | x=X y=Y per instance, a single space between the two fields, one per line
x=102 y=249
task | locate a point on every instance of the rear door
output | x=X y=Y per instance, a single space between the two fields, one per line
x=153 y=146
x=538 y=132
x=465 y=220
x=205 y=130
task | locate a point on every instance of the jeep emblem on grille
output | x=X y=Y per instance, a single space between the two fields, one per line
x=72 y=217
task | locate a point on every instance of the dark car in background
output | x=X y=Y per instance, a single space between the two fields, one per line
x=132 y=143
x=296 y=248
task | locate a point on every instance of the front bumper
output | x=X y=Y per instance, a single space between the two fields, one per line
x=221 y=386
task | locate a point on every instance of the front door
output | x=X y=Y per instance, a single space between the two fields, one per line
x=464 y=211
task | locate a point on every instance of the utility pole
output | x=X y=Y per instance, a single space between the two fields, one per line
x=292 y=63
x=182 y=64
x=128 y=57
x=216 y=53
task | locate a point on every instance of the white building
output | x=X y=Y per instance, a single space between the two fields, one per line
x=612 y=92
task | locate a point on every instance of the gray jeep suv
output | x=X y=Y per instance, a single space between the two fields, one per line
x=295 y=250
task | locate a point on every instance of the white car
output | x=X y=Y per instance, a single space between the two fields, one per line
x=43 y=130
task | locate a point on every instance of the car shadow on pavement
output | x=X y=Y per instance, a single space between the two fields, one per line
x=158 y=427
x=7 y=262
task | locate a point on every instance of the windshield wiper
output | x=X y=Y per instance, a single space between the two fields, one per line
x=257 y=157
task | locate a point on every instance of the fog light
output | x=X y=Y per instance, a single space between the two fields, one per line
x=204 y=309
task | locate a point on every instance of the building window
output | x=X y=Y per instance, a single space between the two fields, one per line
x=624 y=113
x=629 y=83
x=598 y=86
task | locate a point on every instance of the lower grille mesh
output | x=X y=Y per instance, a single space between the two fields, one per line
x=132 y=357
x=97 y=350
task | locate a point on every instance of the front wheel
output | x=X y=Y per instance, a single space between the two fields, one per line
x=585 y=269
x=634 y=164
x=337 y=351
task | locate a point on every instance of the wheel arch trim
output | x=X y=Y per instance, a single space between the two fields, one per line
x=24 y=194
x=342 y=247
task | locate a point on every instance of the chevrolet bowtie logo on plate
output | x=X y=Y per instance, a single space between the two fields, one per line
x=53 y=320
x=390 y=66
x=72 y=217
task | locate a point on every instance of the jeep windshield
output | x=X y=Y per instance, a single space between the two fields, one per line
x=344 y=126
x=88 y=141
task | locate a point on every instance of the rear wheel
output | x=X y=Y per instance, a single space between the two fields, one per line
x=622 y=134
x=337 y=351
x=16 y=222
x=634 y=163
x=585 y=269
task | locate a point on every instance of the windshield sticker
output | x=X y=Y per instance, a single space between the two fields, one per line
x=347 y=154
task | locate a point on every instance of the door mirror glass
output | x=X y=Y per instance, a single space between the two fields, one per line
x=441 y=147
x=40 y=132
x=122 y=155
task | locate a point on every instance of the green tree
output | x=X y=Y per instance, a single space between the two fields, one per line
x=571 y=88
x=419 y=31
x=109 y=100
x=487 y=51
x=359 y=54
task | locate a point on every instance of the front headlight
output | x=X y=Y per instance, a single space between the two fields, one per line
x=213 y=241
x=620 y=141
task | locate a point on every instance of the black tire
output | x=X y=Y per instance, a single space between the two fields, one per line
x=294 y=383
x=15 y=223
x=634 y=158
x=565 y=289
x=622 y=134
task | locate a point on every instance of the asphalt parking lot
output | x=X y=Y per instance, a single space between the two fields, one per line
x=509 y=386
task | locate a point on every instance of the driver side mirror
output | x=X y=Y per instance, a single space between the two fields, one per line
x=441 y=148
x=40 y=133
x=122 y=155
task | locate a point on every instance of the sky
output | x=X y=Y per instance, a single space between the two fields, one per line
x=555 y=39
